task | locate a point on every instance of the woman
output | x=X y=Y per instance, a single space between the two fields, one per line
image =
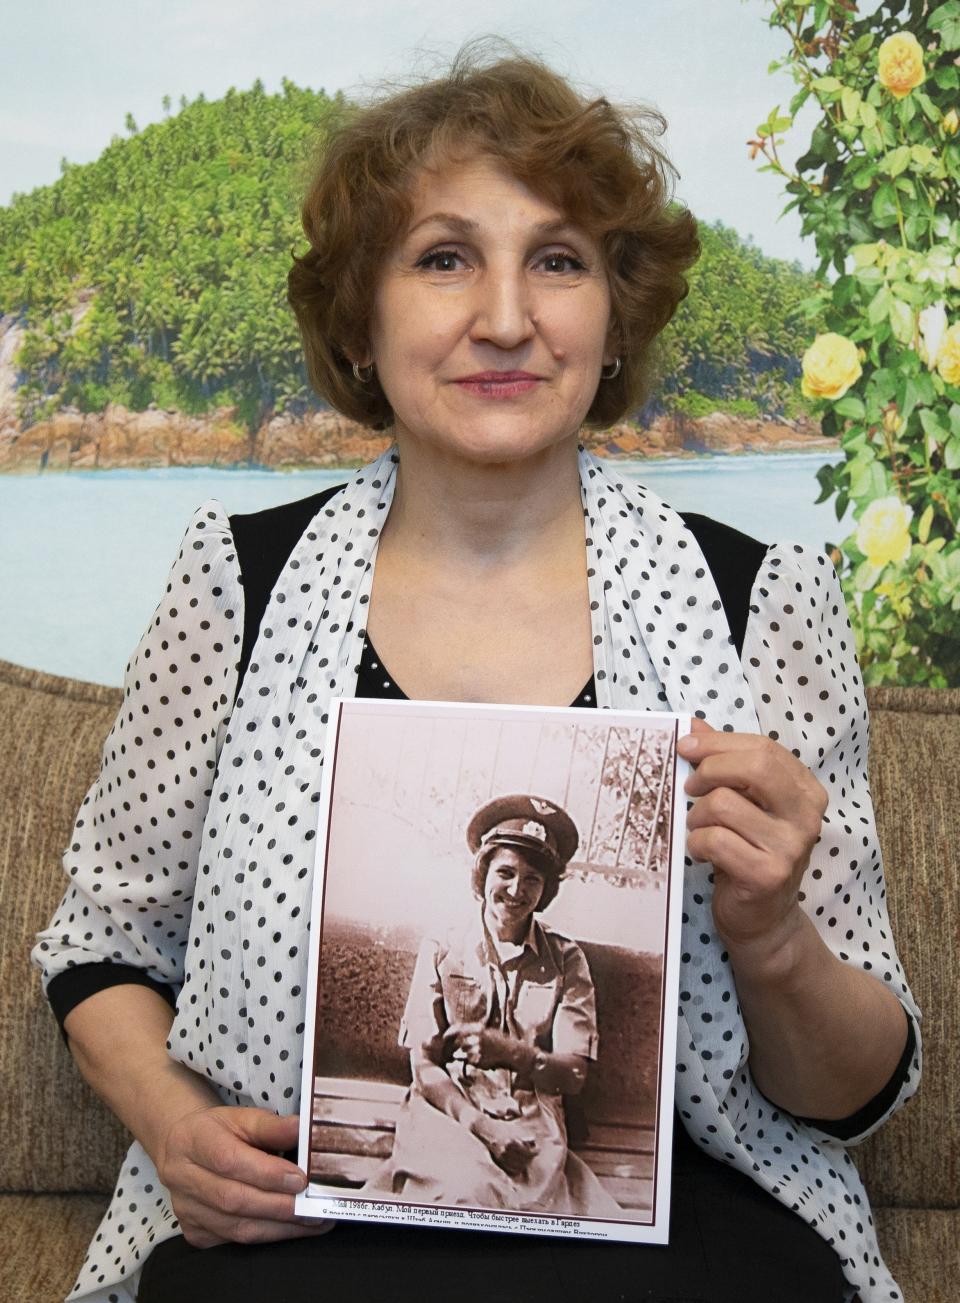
x=491 y=260
x=501 y=1023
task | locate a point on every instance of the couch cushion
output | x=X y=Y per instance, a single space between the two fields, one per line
x=913 y=1161
x=921 y=1246
x=45 y=1237
x=57 y=1134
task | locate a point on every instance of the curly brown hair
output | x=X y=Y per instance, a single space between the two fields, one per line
x=593 y=161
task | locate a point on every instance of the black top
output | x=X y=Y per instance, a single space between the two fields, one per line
x=264 y=541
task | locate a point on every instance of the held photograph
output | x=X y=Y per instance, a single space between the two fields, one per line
x=494 y=929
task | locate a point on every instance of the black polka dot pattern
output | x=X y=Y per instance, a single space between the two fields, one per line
x=192 y=853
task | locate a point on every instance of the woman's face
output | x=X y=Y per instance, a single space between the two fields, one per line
x=511 y=890
x=489 y=278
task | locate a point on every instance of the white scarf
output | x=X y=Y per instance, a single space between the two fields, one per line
x=661 y=640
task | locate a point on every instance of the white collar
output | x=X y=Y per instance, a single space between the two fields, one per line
x=507 y=950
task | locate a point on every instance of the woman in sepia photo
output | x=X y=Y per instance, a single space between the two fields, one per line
x=501 y=1023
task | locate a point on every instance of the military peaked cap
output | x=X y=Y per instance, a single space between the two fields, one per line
x=528 y=823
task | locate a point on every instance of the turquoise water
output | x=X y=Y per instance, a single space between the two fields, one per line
x=84 y=557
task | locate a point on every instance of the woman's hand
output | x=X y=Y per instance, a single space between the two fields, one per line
x=224 y=1187
x=485 y=1047
x=509 y=1148
x=757 y=819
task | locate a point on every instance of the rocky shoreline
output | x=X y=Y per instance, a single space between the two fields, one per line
x=118 y=438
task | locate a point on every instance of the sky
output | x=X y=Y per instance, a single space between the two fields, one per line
x=70 y=72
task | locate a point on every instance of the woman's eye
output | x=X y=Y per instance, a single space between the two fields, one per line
x=575 y=263
x=439 y=255
x=443 y=260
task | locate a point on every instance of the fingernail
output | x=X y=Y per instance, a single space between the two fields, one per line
x=688 y=744
x=294 y=1181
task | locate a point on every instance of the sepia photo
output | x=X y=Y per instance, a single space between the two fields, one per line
x=493 y=949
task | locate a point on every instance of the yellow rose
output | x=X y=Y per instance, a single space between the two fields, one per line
x=950 y=123
x=900 y=66
x=830 y=366
x=933 y=329
x=948 y=358
x=883 y=534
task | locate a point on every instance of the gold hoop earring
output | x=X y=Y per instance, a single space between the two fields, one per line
x=362 y=380
x=616 y=364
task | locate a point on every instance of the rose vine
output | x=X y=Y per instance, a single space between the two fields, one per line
x=878 y=189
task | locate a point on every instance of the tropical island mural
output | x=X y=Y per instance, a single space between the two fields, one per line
x=145 y=323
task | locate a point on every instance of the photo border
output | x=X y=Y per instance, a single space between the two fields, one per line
x=325 y=1201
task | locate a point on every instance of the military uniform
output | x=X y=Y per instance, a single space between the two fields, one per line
x=538 y=990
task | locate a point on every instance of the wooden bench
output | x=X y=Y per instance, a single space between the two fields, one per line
x=354 y=1123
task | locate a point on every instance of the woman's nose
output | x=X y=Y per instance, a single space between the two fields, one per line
x=504 y=308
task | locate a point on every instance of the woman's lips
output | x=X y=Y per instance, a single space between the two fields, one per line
x=505 y=386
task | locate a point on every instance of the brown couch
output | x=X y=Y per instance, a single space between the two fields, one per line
x=62 y=1150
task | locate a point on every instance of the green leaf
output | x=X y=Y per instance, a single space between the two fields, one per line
x=924 y=382
x=822 y=144
x=901 y=321
x=844 y=291
x=907 y=398
x=850 y=103
x=897 y=161
x=864 y=255
x=947 y=78
x=946 y=21
x=828 y=85
x=879 y=306
x=868 y=115
x=908 y=292
x=931 y=425
x=850 y=405
x=857 y=228
x=872 y=138
x=930 y=110
x=951 y=454
x=913 y=228
x=883 y=207
x=867 y=478
x=865 y=576
x=825 y=480
x=926 y=520
x=954 y=417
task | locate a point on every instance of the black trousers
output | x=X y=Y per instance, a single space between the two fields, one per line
x=730 y=1242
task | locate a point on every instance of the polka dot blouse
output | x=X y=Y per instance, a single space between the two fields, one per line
x=132 y=864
